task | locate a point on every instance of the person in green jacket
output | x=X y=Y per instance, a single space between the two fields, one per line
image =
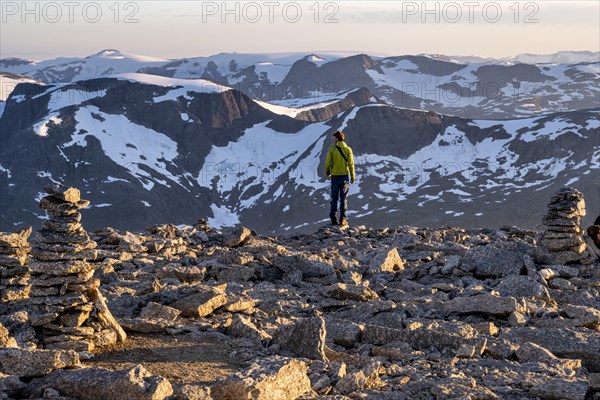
x=338 y=165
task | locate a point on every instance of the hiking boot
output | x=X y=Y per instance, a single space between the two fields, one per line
x=343 y=221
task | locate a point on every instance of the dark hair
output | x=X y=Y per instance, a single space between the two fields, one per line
x=339 y=135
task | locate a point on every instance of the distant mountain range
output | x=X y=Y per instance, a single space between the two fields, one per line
x=470 y=87
x=150 y=148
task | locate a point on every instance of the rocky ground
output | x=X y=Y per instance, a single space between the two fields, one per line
x=346 y=312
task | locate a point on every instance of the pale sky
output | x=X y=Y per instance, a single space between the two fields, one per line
x=177 y=29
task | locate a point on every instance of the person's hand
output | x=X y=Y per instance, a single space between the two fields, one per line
x=329 y=177
x=352 y=181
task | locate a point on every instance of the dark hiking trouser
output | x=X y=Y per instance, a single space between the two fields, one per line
x=339 y=190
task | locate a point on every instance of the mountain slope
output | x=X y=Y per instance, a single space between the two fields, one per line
x=148 y=148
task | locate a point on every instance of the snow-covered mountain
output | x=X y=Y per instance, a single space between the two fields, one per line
x=561 y=57
x=470 y=87
x=162 y=149
x=61 y=70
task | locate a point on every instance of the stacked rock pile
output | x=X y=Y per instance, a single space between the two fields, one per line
x=563 y=234
x=65 y=305
x=14 y=275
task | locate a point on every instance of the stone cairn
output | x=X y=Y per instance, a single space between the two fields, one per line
x=65 y=304
x=14 y=275
x=563 y=234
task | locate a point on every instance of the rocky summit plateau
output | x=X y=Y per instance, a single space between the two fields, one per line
x=344 y=312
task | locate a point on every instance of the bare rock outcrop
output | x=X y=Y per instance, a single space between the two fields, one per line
x=268 y=379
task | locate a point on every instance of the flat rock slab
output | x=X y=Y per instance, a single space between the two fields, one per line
x=202 y=303
x=482 y=304
x=576 y=343
x=522 y=286
x=158 y=311
x=29 y=363
x=273 y=378
x=560 y=389
x=100 y=383
x=306 y=266
x=495 y=261
x=68 y=194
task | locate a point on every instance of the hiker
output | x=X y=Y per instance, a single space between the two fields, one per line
x=339 y=163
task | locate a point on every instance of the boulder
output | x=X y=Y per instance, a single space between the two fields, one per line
x=28 y=363
x=522 y=286
x=99 y=383
x=576 y=343
x=158 y=311
x=343 y=291
x=442 y=335
x=532 y=352
x=342 y=332
x=306 y=266
x=305 y=338
x=236 y=237
x=192 y=392
x=202 y=303
x=145 y=325
x=560 y=389
x=495 y=260
x=386 y=261
x=366 y=378
x=181 y=273
x=242 y=327
x=486 y=304
x=273 y=378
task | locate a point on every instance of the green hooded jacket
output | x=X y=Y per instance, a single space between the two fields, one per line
x=335 y=163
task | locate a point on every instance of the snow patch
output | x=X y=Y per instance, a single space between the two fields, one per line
x=178 y=87
x=134 y=147
x=64 y=98
x=259 y=157
x=6 y=170
x=41 y=128
x=222 y=217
